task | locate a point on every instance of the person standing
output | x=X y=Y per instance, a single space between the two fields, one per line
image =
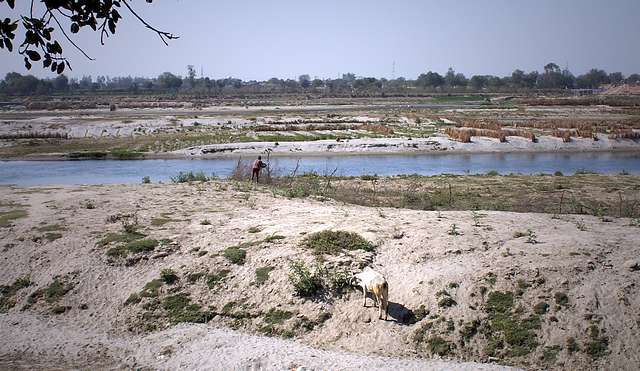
x=257 y=166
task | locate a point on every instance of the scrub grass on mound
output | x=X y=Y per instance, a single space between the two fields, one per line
x=334 y=242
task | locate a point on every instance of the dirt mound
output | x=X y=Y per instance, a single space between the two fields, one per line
x=531 y=290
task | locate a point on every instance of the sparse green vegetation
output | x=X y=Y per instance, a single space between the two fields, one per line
x=273 y=238
x=561 y=298
x=151 y=289
x=334 y=242
x=262 y=275
x=168 y=276
x=205 y=222
x=254 y=229
x=146 y=179
x=507 y=327
x=144 y=245
x=215 y=278
x=180 y=309
x=438 y=345
x=133 y=299
x=7 y=300
x=306 y=282
x=186 y=177
x=6 y=217
x=550 y=354
x=572 y=345
x=453 y=230
x=276 y=316
x=235 y=255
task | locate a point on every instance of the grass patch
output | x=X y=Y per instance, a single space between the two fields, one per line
x=124 y=237
x=215 y=278
x=133 y=299
x=126 y=154
x=180 y=309
x=550 y=354
x=168 y=276
x=273 y=238
x=186 y=177
x=561 y=299
x=151 y=289
x=506 y=326
x=158 y=222
x=438 y=345
x=7 y=300
x=144 y=245
x=235 y=255
x=195 y=277
x=6 y=217
x=262 y=275
x=276 y=316
x=334 y=242
x=306 y=282
x=254 y=229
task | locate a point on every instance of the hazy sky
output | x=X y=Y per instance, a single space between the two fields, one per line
x=260 y=39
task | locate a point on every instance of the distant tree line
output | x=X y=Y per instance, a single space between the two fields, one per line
x=551 y=79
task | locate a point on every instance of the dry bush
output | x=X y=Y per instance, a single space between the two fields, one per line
x=461 y=135
x=376 y=128
x=625 y=134
x=564 y=134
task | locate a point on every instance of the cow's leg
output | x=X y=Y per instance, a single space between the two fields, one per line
x=364 y=293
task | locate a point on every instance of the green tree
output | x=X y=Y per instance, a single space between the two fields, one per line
x=167 y=80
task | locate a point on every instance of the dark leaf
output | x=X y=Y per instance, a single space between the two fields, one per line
x=54 y=65
x=33 y=55
x=1 y=44
x=46 y=63
x=27 y=64
x=60 y=68
x=75 y=28
x=11 y=3
x=8 y=44
x=112 y=26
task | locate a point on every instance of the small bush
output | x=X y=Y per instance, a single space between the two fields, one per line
x=561 y=298
x=213 y=279
x=572 y=345
x=235 y=255
x=276 y=316
x=262 y=275
x=168 y=276
x=446 y=302
x=144 y=245
x=306 y=283
x=146 y=179
x=334 y=242
x=133 y=299
x=493 y=173
x=186 y=177
x=439 y=346
x=205 y=222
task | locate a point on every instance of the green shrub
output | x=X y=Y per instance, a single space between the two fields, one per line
x=306 y=282
x=213 y=279
x=185 y=177
x=168 y=276
x=133 y=299
x=561 y=298
x=235 y=255
x=180 y=309
x=146 y=179
x=144 y=245
x=262 y=275
x=334 y=242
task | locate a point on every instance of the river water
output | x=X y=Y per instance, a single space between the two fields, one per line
x=27 y=173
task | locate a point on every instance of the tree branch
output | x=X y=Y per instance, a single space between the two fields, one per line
x=67 y=36
x=162 y=34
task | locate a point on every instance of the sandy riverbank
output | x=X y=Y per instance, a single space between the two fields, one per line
x=590 y=263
